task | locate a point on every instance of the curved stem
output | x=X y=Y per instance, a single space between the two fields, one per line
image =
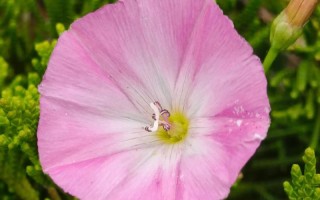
x=316 y=131
x=271 y=56
x=53 y=193
x=24 y=189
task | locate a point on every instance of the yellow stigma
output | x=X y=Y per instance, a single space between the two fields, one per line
x=178 y=130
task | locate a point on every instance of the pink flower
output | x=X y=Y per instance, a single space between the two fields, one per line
x=149 y=99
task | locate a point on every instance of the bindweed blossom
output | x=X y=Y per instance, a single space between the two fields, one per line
x=149 y=99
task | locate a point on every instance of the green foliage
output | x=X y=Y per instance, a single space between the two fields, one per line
x=19 y=112
x=60 y=11
x=44 y=49
x=4 y=69
x=227 y=5
x=16 y=47
x=304 y=186
x=247 y=16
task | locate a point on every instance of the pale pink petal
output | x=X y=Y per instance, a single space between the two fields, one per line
x=156 y=178
x=219 y=71
x=222 y=87
x=203 y=173
x=96 y=178
x=72 y=76
x=81 y=109
x=141 y=44
x=237 y=139
x=138 y=174
x=69 y=134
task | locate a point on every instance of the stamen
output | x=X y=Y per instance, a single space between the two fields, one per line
x=158 y=111
x=165 y=112
x=155 y=117
x=158 y=105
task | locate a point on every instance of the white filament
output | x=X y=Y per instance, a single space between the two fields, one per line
x=157 y=116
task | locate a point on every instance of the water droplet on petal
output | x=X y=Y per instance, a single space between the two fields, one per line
x=239 y=122
x=256 y=136
x=267 y=110
x=238 y=110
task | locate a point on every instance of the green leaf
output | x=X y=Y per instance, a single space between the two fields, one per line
x=304 y=186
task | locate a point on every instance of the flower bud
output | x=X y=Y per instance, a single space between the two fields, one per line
x=287 y=27
x=299 y=11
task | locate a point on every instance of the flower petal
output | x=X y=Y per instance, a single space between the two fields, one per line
x=143 y=174
x=219 y=69
x=84 y=115
x=203 y=172
x=237 y=138
x=140 y=44
x=222 y=87
x=69 y=134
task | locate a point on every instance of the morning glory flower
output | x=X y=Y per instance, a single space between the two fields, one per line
x=149 y=99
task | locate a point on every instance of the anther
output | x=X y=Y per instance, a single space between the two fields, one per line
x=147 y=128
x=158 y=105
x=165 y=112
x=166 y=127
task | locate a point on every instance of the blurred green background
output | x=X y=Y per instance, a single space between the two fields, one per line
x=28 y=33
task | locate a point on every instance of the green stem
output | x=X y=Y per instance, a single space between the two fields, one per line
x=53 y=193
x=316 y=131
x=24 y=189
x=271 y=56
x=265 y=163
x=281 y=133
x=264 y=193
x=245 y=188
